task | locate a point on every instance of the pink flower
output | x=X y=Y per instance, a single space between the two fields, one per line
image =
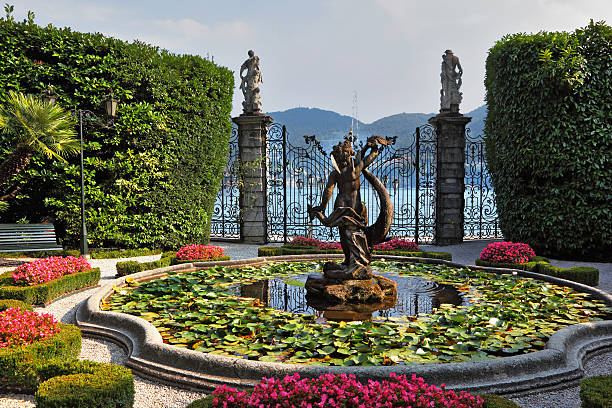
x=329 y=245
x=396 y=243
x=195 y=252
x=507 y=252
x=21 y=327
x=304 y=241
x=47 y=269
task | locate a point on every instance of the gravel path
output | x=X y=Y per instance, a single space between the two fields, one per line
x=152 y=395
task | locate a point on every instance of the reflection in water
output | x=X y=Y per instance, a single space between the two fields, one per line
x=415 y=295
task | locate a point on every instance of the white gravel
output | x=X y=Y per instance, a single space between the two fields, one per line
x=153 y=395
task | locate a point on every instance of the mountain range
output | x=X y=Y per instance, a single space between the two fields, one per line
x=329 y=127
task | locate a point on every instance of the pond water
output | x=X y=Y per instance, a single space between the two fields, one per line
x=415 y=296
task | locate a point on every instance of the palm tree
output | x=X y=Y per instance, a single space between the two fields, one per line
x=36 y=127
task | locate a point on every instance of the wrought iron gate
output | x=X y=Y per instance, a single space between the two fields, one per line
x=225 y=223
x=297 y=176
x=480 y=213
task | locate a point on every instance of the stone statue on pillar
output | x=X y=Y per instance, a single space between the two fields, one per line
x=450 y=97
x=250 y=84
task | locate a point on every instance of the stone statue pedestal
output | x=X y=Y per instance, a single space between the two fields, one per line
x=252 y=141
x=373 y=290
x=450 y=173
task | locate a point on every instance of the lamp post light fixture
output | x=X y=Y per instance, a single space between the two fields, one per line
x=49 y=95
x=111 y=110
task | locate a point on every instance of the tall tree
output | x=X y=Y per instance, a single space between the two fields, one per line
x=34 y=127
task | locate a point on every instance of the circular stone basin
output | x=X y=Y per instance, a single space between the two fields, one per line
x=203 y=354
x=415 y=296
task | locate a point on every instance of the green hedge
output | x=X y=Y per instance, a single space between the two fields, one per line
x=152 y=177
x=490 y=401
x=582 y=274
x=13 y=303
x=18 y=365
x=41 y=254
x=549 y=138
x=167 y=259
x=93 y=253
x=45 y=292
x=596 y=392
x=84 y=384
x=301 y=250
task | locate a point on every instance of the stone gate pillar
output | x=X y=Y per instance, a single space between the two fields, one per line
x=252 y=141
x=450 y=173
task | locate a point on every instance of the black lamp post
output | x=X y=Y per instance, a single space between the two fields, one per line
x=111 y=110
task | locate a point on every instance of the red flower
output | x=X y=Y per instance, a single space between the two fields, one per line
x=195 y=251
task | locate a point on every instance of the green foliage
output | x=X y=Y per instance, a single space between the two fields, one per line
x=205 y=402
x=300 y=250
x=506 y=315
x=46 y=292
x=84 y=384
x=596 y=392
x=122 y=253
x=18 y=365
x=152 y=178
x=167 y=259
x=549 y=140
x=582 y=274
x=495 y=401
x=14 y=303
x=40 y=254
x=181 y=261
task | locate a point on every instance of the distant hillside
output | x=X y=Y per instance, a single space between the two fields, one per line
x=329 y=126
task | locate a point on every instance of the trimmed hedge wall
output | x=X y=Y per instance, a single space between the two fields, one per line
x=46 y=292
x=94 y=253
x=582 y=274
x=549 y=140
x=18 y=365
x=84 y=384
x=596 y=392
x=167 y=259
x=13 y=303
x=300 y=250
x=152 y=177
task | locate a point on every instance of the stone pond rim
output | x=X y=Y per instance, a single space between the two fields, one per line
x=559 y=365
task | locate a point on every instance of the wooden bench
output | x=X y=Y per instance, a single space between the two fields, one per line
x=28 y=237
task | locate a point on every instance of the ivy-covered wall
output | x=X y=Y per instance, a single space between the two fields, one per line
x=151 y=177
x=549 y=140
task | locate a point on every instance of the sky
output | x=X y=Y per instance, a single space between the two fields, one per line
x=319 y=53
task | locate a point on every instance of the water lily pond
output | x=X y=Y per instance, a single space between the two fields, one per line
x=499 y=315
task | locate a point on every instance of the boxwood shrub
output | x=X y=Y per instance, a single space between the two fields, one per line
x=18 y=365
x=167 y=259
x=13 y=303
x=549 y=138
x=300 y=250
x=582 y=274
x=596 y=392
x=46 y=292
x=84 y=384
x=152 y=177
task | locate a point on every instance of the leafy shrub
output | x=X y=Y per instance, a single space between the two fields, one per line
x=495 y=401
x=507 y=252
x=122 y=253
x=18 y=365
x=199 y=252
x=130 y=267
x=596 y=392
x=84 y=384
x=343 y=391
x=549 y=138
x=301 y=240
x=153 y=177
x=45 y=292
x=47 y=269
x=291 y=250
x=22 y=327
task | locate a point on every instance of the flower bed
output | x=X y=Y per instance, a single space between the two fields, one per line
x=520 y=256
x=199 y=252
x=397 y=247
x=167 y=259
x=43 y=293
x=200 y=310
x=507 y=252
x=48 y=269
x=22 y=327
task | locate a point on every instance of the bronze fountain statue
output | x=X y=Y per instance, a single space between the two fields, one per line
x=352 y=281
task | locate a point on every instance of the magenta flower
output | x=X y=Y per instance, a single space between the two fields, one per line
x=195 y=251
x=305 y=241
x=507 y=252
x=47 y=269
x=21 y=327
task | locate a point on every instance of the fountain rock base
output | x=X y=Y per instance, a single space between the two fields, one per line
x=363 y=288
